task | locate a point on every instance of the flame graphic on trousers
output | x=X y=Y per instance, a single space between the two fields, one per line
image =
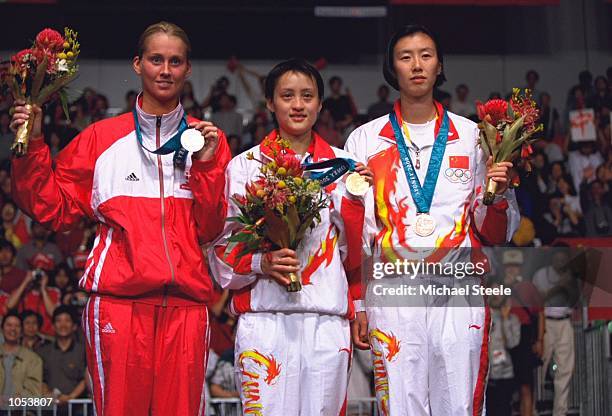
x=381 y=380
x=250 y=386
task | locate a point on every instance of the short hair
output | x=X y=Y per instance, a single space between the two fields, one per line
x=12 y=313
x=7 y=244
x=28 y=312
x=460 y=86
x=534 y=73
x=67 y=310
x=169 y=29
x=292 y=65
x=409 y=30
x=334 y=79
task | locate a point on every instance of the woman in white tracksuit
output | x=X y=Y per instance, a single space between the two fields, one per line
x=293 y=350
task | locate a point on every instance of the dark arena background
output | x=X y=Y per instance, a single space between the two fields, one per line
x=561 y=49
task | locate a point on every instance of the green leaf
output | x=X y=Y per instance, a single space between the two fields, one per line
x=64 y=101
x=52 y=88
x=241 y=237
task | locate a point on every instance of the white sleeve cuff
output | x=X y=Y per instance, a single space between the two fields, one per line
x=256 y=263
x=359 y=305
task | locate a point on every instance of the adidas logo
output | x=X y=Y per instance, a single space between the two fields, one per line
x=132 y=177
x=108 y=328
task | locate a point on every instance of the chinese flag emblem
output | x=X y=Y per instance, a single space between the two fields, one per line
x=459 y=162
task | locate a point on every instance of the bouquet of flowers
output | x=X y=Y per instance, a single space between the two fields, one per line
x=37 y=73
x=506 y=131
x=278 y=207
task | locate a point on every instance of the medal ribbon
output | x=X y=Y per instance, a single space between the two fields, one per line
x=173 y=145
x=337 y=167
x=422 y=195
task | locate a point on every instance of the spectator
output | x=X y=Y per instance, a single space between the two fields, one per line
x=340 y=106
x=462 y=105
x=505 y=335
x=562 y=217
x=10 y=276
x=64 y=360
x=601 y=96
x=558 y=289
x=443 y=98
x=32 y=339
x=62 y=279
x=527 y=306
x=532 y=78
x=227 y=118
x=583 y=163
x=79 y=114
x=14 y=226
x=213 y=98
x=235 y=144
x=223 y=380
x=39 y=250
x=130 y=101
x=380 y=108
x=187 y=96
x=21 y=369
x=6 y=136
x=549 y=117
x=598 y=217
x=256 y=130
x=326 y=128
x=34 y=294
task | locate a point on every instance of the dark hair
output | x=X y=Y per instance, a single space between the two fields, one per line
x=65 y=309
x=28 y=312
x=12 y=313
x=409 y=30
x=334 y=79
x=534 y=73
x=461 y=86
x=585 y=77
x=292 y=65
x=7 y=244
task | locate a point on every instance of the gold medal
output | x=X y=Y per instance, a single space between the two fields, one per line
x=356 y=184
x=425 y=225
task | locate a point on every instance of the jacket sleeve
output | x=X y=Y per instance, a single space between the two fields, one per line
x=32 y=383
x=207 y=180
x=229 y=269
x=495 y=224
x=56 y=197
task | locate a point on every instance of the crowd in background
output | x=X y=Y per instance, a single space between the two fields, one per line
x=567 y=194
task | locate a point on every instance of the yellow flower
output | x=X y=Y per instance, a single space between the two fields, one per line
x=61 y=55
x=66 y=45
x=298 y=181
x=292 y=199
x=261 y=193
x=281 y=171
x=70 y=54
x=281 y=185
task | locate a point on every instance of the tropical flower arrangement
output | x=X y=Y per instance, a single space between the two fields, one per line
x=279 y=206
x=507 y=131
x=36 y=74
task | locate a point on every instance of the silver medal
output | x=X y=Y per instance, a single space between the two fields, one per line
x=192 y=140
x=425 y=225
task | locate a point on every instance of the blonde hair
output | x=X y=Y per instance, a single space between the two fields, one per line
x=169 y=29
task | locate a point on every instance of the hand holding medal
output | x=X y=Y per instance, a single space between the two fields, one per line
x=201 y=139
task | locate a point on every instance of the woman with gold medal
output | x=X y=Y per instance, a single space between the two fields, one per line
x=293 y=349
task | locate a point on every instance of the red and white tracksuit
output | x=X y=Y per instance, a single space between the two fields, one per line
x=146 y=323
x=431 y=360
x=293 y=349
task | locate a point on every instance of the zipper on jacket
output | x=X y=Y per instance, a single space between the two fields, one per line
x=163 y=205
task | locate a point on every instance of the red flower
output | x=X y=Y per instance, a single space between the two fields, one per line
x=526 y=151
x=50 y=39
x=493 y=111
x=291 y=163
x=22 y=59
x=525 y=107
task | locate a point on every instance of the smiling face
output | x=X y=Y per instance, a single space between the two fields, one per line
x=295 y=104
x=163 y=68
x=416 y=65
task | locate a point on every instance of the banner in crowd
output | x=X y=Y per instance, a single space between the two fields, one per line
x=582 y=125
